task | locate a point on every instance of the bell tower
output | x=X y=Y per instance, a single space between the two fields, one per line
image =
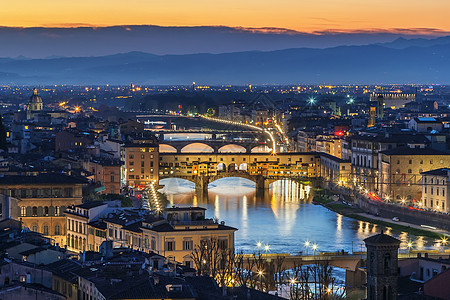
x=382 y=267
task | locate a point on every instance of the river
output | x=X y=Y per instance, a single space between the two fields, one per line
x=284 y=219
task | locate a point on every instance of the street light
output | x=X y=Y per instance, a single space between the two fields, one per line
x=314 y=248
x=307 y=246
x=444 y=242
x=260 y=273
x=410 y=244
x=266 y=248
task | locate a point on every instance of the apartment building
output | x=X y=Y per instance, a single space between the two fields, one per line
x=141 y=163
x=42 y=201
x=435 y=188
x=401 y=169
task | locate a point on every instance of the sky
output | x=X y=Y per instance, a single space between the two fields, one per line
x=299 y=15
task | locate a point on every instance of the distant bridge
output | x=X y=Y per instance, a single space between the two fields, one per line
x=353 y=264
x=212 y=146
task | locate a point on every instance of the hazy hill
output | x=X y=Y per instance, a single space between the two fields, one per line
x=42 y=42
x=345 y=64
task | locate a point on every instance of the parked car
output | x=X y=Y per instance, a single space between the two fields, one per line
x=396 y=219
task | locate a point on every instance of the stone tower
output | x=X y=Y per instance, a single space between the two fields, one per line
x=35 y=104
x=382 y=267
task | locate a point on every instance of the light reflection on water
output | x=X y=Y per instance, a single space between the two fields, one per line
x=284 y=217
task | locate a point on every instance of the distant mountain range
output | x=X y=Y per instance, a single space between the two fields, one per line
x=42 y=42
x=415 y=60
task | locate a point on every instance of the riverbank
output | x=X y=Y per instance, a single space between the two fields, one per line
x=345 y=208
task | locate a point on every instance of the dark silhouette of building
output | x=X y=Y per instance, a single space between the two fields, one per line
x=382 y=267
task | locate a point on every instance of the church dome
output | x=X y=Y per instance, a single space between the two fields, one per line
x=35 y=98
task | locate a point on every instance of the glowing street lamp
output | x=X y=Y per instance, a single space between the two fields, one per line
x=260 y=273
x=314 y=248
x=311 y=100
x=307 y=243
x=410 y=244
x=266 y=248
x=444 y=242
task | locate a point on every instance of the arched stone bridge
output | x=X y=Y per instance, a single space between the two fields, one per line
x=202 y=181
x=353 y=264
x=213 y=146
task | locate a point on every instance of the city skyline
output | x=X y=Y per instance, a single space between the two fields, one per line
x=307 y=16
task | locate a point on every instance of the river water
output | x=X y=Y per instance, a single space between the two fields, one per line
x=284 y=219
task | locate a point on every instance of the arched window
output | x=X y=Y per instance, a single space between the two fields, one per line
x=45 y=210
x=387 y=264
x=56 y=210
x=57 y=230
x=34 y=228
x=34 y=211
x=409 y=171
x=23 y=211
x=45 y=230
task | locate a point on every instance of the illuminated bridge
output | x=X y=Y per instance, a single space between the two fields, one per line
x=261 y=168
x=213 y=146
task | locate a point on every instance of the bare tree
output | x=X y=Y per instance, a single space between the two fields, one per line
x=310 y=282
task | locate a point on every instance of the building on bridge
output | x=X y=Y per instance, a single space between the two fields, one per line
x=282 y=164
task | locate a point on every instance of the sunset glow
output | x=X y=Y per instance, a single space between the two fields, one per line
x=317 y=15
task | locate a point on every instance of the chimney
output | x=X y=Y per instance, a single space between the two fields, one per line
x=419 y=255
x=426 y=255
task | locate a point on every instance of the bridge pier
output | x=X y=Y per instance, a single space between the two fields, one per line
x=201 y=186
x=355 y=279
x=261 y=183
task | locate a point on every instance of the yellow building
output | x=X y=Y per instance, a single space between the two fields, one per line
x=435 y=188
x=42 y=201
x=175 y=236
x=400 y=172
x=141 y=163
x=334 y=170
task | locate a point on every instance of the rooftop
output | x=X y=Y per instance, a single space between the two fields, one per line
x=381 y=238
x=414 y=151
x=437 y=172
x=46 y=178
x=89 y=205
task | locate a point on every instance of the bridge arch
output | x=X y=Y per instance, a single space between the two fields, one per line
x=197 y=148
x=221 y=167
x=261 y=149
x=178 y=184
x=232 y=167
x=164 y=148
x=232 y=148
